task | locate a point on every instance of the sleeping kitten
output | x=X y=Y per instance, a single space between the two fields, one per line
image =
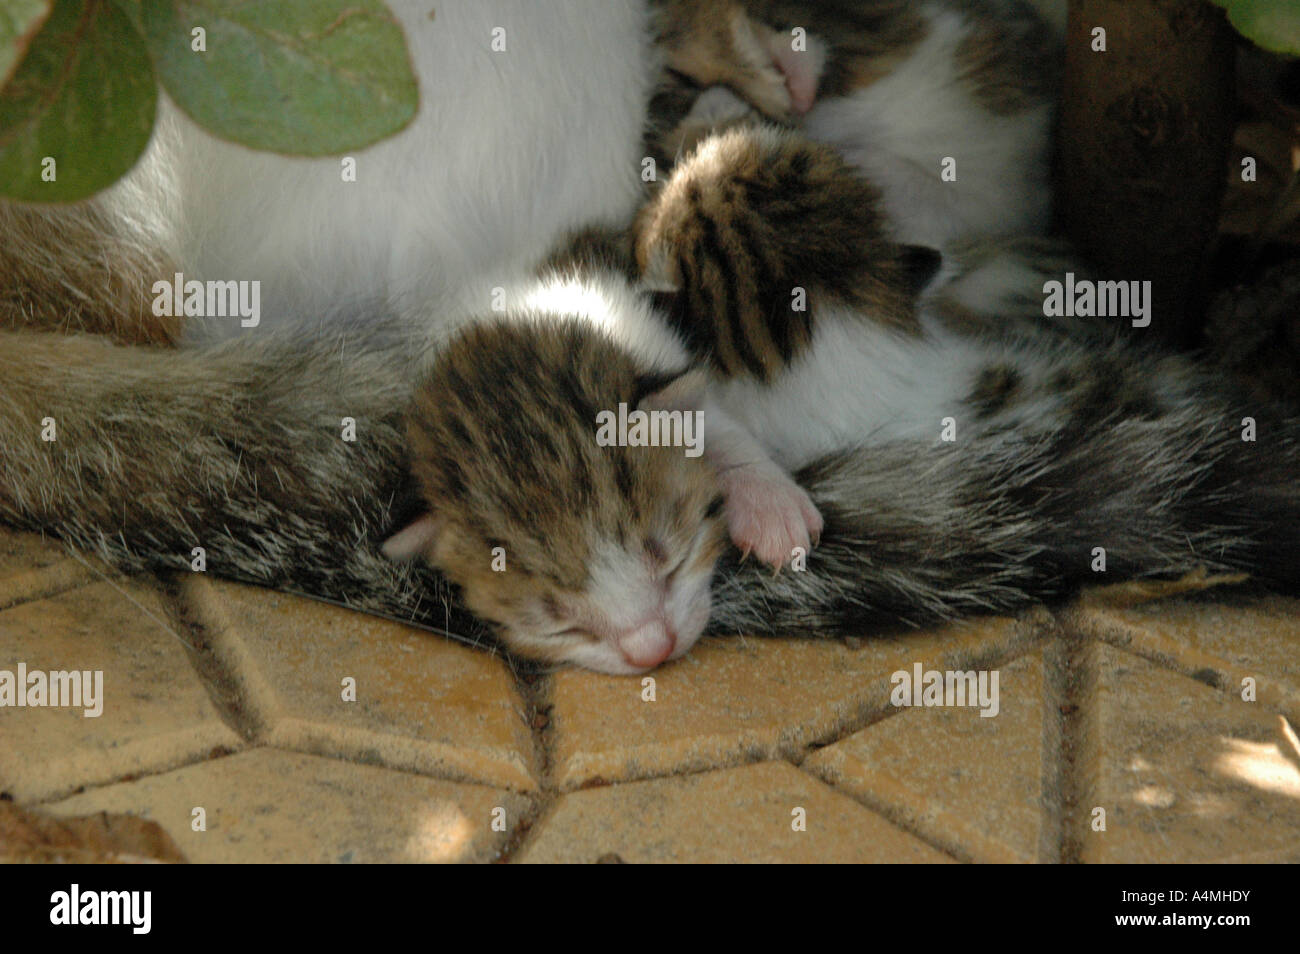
x=753 y=231
x=608 y=550
x=945 y=104
x=598 y=556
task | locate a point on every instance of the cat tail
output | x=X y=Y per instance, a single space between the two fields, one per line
x=80 y=267
x=282 y=458
x=918 y=533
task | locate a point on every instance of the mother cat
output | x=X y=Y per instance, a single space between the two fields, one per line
x=531 y=124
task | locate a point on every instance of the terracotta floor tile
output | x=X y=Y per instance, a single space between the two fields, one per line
x=734 y=815
x=156 y=712
x=973 y=784
x=1184 y=772
x=422 y=703
x=271 y=806
x=731 y=701
x=1217 y=643
x=32 y=568
x=1161 y=738
x=22 y=552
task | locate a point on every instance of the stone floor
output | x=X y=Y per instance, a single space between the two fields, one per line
x=244 y=725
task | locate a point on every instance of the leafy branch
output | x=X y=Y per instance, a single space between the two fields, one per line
x=1272 y=24
x=80 y=82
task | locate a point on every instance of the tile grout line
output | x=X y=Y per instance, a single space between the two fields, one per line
x=1058 y=707
x=867 y=714
x=253 y=706
x=1046 y=633
x=217 y=665
x=194 y=654
x=77 y=571
x=1206 y=668
x=43 y=583
x=895 y=817
x=537 y=695
x=1076 y=675
x=864 y=715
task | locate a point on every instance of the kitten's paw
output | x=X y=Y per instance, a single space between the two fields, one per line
x=716 y=109
x=769 y=515
x=718 y=106
x=756 y=73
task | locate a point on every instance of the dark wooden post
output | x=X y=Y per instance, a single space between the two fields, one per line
x=1144 y=138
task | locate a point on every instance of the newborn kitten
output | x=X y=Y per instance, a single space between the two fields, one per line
x=944 y=104
x=862 y=360
x=605 y=551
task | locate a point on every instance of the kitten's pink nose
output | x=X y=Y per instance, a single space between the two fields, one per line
x=648 y=645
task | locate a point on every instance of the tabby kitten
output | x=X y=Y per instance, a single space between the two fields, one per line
x=752 y=230
x=580 y=553
x=945 y=104
x=579 y=550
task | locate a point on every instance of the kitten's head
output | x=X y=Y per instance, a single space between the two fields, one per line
x=758 y=214
x=595 y=555
x=720 y=43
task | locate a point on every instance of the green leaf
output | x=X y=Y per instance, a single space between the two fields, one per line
x=304 y=77
x=132 y=9
x=84 y=96
x=1271 y=24
x=19 y=21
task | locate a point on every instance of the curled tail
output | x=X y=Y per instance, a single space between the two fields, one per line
x=283 y=459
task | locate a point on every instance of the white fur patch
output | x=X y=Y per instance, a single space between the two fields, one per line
x=508 y=152
x=608 y=302
x=900 y=129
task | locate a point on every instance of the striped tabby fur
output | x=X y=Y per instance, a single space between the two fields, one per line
x=755 y=228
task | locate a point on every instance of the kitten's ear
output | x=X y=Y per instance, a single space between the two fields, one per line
x=684 y=392
x=920 y=265
x=414 y=540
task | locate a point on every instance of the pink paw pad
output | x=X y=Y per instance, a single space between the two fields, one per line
x=769 y=515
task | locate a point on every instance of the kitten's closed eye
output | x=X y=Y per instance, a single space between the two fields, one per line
x=571 y=631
